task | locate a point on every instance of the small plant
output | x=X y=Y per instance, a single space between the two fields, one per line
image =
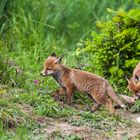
x=136 y=107
x=73 y=137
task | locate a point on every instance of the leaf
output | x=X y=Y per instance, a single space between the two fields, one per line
x=116 y=19
x=110 y=10
x=2 y=91
x=121 y=13
x=100 y=24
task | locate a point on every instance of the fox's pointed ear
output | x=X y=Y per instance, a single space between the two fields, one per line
x=127 y=79
x=58 y=60
x=53 y=54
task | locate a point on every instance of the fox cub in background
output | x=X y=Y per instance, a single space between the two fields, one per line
x=73 y=79
x=134 y=81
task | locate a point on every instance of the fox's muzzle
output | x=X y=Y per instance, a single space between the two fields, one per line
x=47 y=73
x=138 y=94
x=43 y=73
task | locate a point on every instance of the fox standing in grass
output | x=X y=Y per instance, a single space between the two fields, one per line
x=73 y=79
x=134 y=81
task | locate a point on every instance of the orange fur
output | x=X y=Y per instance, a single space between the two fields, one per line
x=134 y=81
x=73 y=79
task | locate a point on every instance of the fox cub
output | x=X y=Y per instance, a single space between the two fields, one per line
x=134 y=81
x=73 y=79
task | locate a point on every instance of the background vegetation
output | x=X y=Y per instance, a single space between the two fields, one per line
x=31 y=30
x=115 y=50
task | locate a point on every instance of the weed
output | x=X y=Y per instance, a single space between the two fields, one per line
x=136 y=107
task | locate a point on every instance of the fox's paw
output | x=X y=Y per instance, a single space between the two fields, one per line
x=95 y=108
x=69 y=102
x=56 y=97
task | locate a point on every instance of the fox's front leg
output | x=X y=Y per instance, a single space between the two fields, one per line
x=59 y=92
x=69 y=93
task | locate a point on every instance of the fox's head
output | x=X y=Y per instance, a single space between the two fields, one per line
x=51 y=65
x=134 y=86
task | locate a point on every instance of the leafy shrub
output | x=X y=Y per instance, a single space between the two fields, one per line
x=114 y=51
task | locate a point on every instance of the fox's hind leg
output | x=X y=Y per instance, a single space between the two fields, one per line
x=109 y=106
x=96 y=105
x=102 y=99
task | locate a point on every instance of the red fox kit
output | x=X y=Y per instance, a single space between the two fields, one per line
x=73 y=79
x=134 y=81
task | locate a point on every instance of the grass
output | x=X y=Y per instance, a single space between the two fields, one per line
x=136 y=107
x=21 y=112
x=101 y=120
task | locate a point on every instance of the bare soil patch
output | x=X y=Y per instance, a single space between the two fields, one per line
x=85 y=132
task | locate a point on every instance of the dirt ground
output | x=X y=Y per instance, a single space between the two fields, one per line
x=85 y=132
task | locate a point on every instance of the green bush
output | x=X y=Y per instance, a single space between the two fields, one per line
x=114 y=51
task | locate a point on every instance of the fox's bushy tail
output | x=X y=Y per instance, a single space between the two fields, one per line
x=113 y=95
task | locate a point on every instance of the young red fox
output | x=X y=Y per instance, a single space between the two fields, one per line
x=134 y=81
x=73 y=79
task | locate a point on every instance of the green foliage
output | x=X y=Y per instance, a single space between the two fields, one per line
x=114 y=51
x=10 y=73
x=136 y=107
x=3 y=65
x=21 y=111
x=100 y=120
x=137 y=1
x=22 y=133
x=60 y=18
x=43 y=104
x=11 y=116
x=31 y=30
x=58 y=136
